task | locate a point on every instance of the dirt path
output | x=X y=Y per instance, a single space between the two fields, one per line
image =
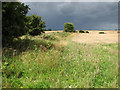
x=95 y=38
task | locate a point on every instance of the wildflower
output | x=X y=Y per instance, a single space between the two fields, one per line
x=21 y=87
x=71 y=80
x=69 y=86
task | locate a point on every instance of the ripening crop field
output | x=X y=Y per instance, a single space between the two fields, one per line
x=62 y=60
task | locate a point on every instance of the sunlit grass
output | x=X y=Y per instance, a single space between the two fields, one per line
x=70 y=65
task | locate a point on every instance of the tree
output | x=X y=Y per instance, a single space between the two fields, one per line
x=69 y=27
x=35 y=24
x=13 y=25
x=49 y=29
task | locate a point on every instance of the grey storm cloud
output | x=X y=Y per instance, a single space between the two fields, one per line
x=84 y=15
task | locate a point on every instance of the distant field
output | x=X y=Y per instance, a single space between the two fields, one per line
x=106 y=31
x=94 y=37
x=91 y=31
x=53 y=31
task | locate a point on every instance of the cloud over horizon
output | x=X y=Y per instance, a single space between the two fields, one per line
x=84 y=15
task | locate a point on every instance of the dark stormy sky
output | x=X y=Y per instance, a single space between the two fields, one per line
x=84 y=15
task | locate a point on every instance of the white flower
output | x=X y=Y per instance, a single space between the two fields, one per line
x=69 y=86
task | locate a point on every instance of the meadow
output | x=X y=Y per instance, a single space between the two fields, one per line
x=59 y=60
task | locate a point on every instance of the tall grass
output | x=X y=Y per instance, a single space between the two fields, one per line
x=47 y=64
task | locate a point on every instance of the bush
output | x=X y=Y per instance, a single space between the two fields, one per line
x=44 y=43
x=87 y=32
x=35 y=25
x=35 y=32
x=49 y=29
x=43 y=32
x=68 y=27
x=101 y=33
x=81 y=31
x=74 y=31
x=50 y=37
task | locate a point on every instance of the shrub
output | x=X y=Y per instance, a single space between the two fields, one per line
x=35 y=25
x=81 y=31
x=50 y=37
x=87 y=32
x=74 y=31
x=101 y=33
x=44 y=43
x=43 y=32
x=68 y=27
x=49 y=29
x=35 y=32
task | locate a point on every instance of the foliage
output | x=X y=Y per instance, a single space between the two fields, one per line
x=101 y=33
x=74 y=31
x=44 y=44
x=35 y=32
x=50 y=37
x=81 y=31
x=68 y=27
x=86 y=32
x=35 y=25
x=48 y=29
x=13 y=25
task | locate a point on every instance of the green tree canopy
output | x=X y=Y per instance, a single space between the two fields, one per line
x=69 y=27
x=13 y=25
x=35 y=24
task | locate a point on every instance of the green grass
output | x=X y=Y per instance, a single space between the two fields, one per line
x=74 y=65
x=50 y=37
